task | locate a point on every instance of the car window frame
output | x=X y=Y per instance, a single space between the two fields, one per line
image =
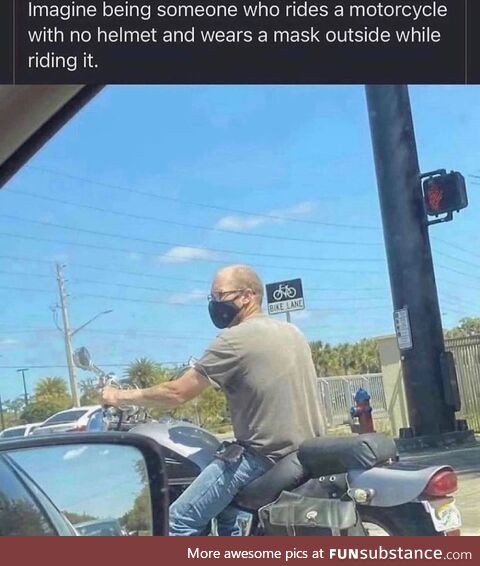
x=56 y=517
x=32 y=499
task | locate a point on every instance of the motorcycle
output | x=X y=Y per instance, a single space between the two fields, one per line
x=348 y=486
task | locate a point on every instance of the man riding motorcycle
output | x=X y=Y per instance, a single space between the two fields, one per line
x=265 y=368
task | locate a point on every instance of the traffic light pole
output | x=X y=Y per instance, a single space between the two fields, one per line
x=409 y=257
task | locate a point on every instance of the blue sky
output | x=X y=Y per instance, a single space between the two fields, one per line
x=65 y=474
x=171 y=166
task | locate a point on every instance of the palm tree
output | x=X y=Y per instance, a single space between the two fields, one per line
x=144 y=372
x=50 y=396
x=15 y=406
x=51 y=387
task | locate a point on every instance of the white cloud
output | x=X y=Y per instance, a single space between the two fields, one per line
x=188 y=297
x=245 y=222
x=185 y=254
x=74 y=453
x=8 y=342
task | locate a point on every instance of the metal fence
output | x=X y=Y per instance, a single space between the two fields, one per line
x=336 y=395
x=466 y=352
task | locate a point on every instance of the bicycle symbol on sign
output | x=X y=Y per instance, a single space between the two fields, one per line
x=284 y=292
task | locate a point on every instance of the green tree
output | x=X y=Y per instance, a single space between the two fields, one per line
x=208 y=410
x=144 y=372
x=12 y=411
x=20 y=518
x=50 y=396
x=90 y=394
x=15 y=406
x=345 y=359
x=469 y=326
x=51 y=387
x=38 y=411
x=75 y=518
x=140 y=516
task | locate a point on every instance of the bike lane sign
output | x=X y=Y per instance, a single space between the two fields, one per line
x=285 y=296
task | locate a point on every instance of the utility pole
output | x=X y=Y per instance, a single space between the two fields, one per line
x=2 y=421
x=409 y=256
x=67 y=335
x=25 y=394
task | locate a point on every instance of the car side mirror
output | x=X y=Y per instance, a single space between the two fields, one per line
x=92 y=484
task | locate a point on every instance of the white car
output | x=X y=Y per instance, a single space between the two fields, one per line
x=18 y=431
x=78 y=419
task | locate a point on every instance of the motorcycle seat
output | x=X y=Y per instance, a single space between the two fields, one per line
x=329 y=455
x=287 y=473
x=318 y=457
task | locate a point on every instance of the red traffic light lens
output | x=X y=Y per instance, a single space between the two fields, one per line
x=444 y=193
x=434 y=197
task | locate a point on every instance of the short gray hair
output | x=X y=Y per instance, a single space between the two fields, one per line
x=245 y=278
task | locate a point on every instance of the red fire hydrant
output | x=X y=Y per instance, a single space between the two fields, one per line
x=362 y=411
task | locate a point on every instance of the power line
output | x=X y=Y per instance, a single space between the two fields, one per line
x=114 y=270
x=195 y=226
x=32 y=259
x=104 y=270
x=178 y=292
x=23 y=274
x=201 y=281
x=176 y=244
x=115 y=332
x=453 y=270
x=26 y=289
x=465 y=262
x=156 y=302
x=30 y=366
x=455 y=246
x=123 y=250
x=197 y=204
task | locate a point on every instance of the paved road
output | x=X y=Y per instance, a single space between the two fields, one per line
x=466 y=462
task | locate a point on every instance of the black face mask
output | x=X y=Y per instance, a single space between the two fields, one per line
x=223 y=313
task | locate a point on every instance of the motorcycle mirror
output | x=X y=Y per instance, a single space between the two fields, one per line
x=82 y=358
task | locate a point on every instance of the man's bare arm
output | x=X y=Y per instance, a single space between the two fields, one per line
x=163 y=396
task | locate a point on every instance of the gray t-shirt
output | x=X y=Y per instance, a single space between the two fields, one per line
x=265 y=368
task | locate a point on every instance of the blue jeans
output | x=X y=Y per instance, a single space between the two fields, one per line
x=210 y=496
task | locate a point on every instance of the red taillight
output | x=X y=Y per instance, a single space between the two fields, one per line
x=442 y=483
x=456 y=533
x=80 y=428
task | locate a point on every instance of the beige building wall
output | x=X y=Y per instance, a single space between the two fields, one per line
x=393 y=382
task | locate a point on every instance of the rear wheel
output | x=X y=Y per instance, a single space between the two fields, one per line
x=403 y=520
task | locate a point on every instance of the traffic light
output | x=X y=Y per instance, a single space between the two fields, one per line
x=445 y=193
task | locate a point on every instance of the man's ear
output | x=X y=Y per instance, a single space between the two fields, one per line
x=249 y=296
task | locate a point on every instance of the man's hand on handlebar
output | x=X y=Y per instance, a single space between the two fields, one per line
x=112 y=396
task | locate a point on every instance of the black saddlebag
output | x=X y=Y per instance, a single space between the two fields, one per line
x=294 y=514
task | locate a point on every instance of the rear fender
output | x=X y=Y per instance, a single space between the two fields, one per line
x=393 y=486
